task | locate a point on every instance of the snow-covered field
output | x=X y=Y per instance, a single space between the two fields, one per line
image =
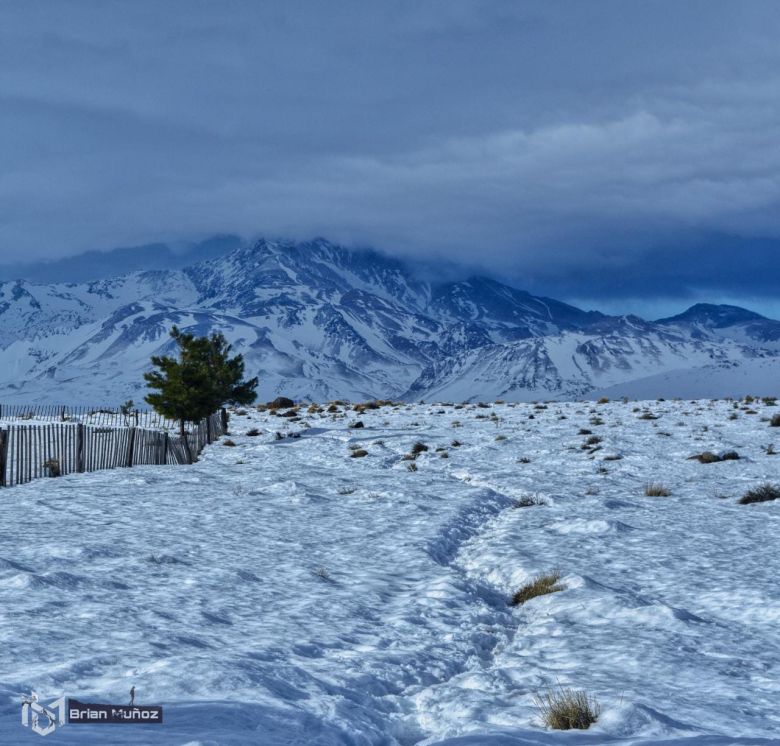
x=282 y=592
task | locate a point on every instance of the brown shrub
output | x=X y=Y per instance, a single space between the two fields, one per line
x=761 y=494
x=567 y=709
x=541 y=585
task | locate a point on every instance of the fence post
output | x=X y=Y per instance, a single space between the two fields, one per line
x=130 y=446
x=164 y=449
x=209 y=437
x=224 y=415
x=186 y=441
x=80 y=448
x=3 y=456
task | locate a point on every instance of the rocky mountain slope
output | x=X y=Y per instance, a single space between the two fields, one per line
x=318 y=321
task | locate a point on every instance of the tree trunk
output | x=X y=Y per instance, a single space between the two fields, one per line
x=185 y=441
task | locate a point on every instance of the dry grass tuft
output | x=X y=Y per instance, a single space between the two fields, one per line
x=761 y=494
x=541 y=585
x=567 y=709
x=656 y=489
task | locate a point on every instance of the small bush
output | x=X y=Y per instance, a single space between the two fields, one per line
x=524 y=460
x=456 y=444
x=528 y=501
x=253 y=433
x=566 y=709
x=541 y=585
x=603 y=400
x=418 y=448
x=412 y=466
x=229 y=443
x=357 y=424
x=593 y=440
x=655 y=489
x=281 y=402
x=761 y=494
x=500 y=437
x=359 y=453
x=775 y=421
x=52 y=465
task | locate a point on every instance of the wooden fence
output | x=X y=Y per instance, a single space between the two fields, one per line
x=100 y=416
x=32 y=451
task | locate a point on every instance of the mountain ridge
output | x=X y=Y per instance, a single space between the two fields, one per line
x=316 y=320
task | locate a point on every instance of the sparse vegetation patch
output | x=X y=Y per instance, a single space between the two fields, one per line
x=541 y=585
x=763 y=493
x=656 y=489
x=568 y=709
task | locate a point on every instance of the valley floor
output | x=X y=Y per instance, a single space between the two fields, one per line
x=284 y=592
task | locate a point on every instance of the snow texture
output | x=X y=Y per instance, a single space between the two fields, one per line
x=284 y=592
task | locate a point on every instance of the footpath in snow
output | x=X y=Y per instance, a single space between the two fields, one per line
x=286 y=591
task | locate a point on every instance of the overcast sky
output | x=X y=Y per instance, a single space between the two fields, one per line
x=612 y=150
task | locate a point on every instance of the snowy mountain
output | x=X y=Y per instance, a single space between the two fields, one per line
x=710 y=322
x=318 y=321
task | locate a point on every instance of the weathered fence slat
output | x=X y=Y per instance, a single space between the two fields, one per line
x=3 y=457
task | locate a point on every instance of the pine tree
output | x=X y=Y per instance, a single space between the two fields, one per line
x=203 y=378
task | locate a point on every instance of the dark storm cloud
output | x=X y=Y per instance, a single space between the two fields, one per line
x=600 y=142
